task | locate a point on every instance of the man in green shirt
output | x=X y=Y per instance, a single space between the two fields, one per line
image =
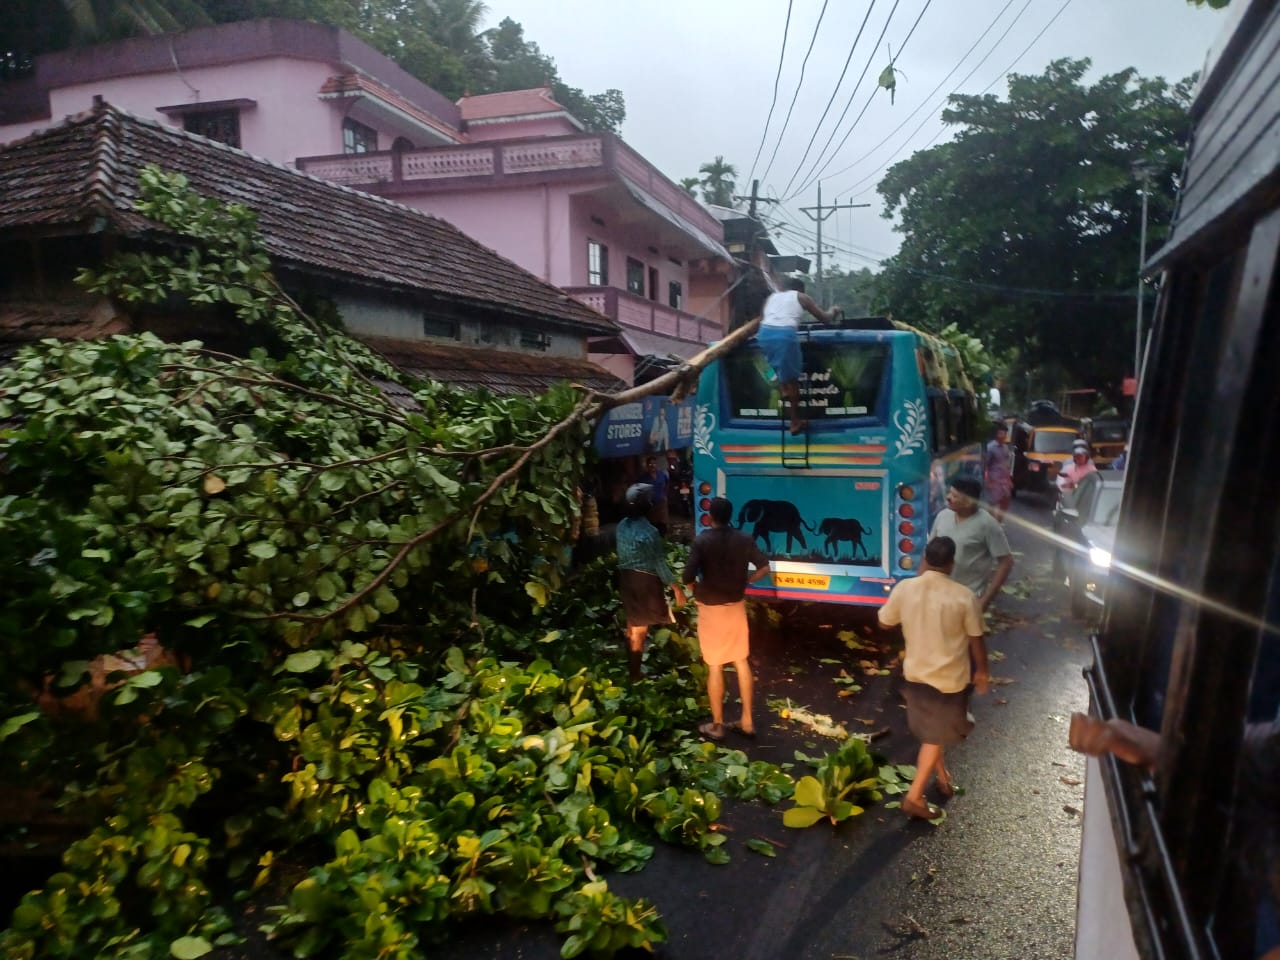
x=983 y=558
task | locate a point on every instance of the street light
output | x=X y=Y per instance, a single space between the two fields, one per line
x=1141 y=170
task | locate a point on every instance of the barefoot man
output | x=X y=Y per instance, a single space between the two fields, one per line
x=720 y=557
x=942 y=627
x=779 y=338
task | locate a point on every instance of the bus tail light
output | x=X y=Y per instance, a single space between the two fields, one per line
x=905 y=546
x=907 y=510
x=704 y=488
x=704 y=520
x=704 y=503
x=906 y=528
x=907 y=563
x=907 y=492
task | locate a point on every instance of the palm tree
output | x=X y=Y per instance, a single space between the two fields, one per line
x=717 y=182
x=95 y=21
x=690 y=185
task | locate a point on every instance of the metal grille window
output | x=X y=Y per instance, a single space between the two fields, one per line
x=675 y=295
x=635 y=277
x=357 y=138
x=220 y=125
x=440 y=327
x=597 y=264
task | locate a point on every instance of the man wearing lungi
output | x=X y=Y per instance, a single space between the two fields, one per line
x=717 y=570
x=943 y=630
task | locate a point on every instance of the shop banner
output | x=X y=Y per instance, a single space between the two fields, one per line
x=650 y=425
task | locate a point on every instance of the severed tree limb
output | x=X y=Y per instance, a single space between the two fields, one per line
x=589 y=409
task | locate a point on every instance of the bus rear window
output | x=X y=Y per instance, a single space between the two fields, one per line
x=840 y=380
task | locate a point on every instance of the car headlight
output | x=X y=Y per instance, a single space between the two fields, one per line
x=1099 y=557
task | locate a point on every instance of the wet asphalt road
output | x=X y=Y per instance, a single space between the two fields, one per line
x=995 y=879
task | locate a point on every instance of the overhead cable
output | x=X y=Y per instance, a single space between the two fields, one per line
x=814 y=171
x=832 y=99
x=772 y=103
x=812 y=40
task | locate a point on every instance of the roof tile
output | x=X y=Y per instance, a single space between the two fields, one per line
x=88 y=167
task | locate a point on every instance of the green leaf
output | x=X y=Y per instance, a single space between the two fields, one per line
x=301 y=598
x=150 y=678
x=809 y=793
x=801 y=817
x=303 y=660
x=263 y=549
x=189 y=948
x=538 y=591
x=762 y=847
x=14 y=724
x=200 y=621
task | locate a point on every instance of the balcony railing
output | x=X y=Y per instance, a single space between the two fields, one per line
x=637 y=313
x=436 y=169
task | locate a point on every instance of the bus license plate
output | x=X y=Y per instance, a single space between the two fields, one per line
x=810 y=581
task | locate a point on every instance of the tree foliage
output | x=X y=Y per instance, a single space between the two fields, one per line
x=718 y=181
x=1025 y=228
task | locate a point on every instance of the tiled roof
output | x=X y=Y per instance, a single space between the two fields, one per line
x=502 y=371
x=26 y=322
x=511 y=103
x=84 y=173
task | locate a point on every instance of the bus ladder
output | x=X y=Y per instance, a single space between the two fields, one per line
x=796 y=456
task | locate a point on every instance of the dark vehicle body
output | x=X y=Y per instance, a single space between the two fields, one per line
x=1184 y=855
x=1040 y=453
x=1086 y=518
x=1107 y=438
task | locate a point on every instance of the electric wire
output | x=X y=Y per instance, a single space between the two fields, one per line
x=832 y=99
x=1000 y=76
x=782 y=54
x=995 y=46
x=928 y=97
x=815 y=172
x=795 y=96
x=877 y=258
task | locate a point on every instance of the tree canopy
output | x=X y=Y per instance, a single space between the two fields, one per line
x=1024 y=229
x=438 y=41
x=718 y=181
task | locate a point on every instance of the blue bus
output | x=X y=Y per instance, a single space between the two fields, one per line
x=842 y=510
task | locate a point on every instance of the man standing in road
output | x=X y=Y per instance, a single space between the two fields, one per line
x=983 y=558
x=719 y=557
x=943 y=632
x=779 y=338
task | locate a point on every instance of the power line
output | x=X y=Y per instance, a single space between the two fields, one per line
x=832 y=99
x=772 y=103
x=921 y=124
x=812 y=40
x=881 y=259
x=811 y=176
x=929 y=96
x=1000 y=76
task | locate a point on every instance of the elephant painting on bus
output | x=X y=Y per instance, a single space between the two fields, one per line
x=773 y=516
x=838 y=530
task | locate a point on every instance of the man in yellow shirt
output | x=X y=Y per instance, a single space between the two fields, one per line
x=942 y=628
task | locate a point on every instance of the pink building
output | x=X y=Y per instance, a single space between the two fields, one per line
x=514 y=171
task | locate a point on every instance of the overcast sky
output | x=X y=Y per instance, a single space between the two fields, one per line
x=698 y=77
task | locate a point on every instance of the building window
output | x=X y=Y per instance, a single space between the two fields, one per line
x=531 y=340
x=440 y=327
x=597 y=264
x=635 y=277
x=675 y=295
x=220 y=125
x=357 y=138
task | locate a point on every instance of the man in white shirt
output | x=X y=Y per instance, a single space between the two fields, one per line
x=780 y=340
x=943 y=631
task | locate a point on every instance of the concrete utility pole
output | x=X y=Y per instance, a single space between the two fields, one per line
x=754 y=199
x=817 y=215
